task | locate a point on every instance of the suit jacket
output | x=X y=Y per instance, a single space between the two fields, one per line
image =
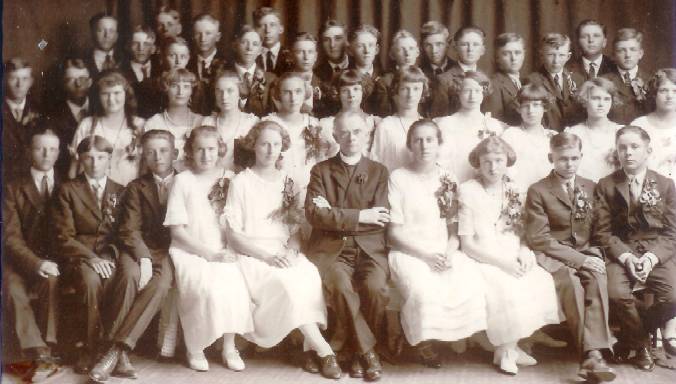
x=502 y=102
x=65 y=124
x=443 y=101
x=324 y=70
x=631 y=107
x=25 y=237
x=576 y=66
x=619 y=230
x=427 y=69
x=564 y=111
x=259 y=99
x=347 y=196
x=283 y=64
x=552 y=230
x=141 y=232
x=376 y=99
x=202 y=100
x=118 y=57
x=82 y=230
x=16 y=137
x=149 y=94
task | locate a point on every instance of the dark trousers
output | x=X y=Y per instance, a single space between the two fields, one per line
x=33 y=328
x=92 y=290
x=357 y=290
x=633 y=327
x=129 y=310
x=584 y=298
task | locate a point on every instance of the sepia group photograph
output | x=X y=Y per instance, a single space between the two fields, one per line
x=318 y=191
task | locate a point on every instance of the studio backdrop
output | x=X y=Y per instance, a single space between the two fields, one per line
x=63 y=24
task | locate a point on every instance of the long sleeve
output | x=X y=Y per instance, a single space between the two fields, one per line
x=16 y=248
x=130 y=225
x=327 y=219
x=65 y=243
x=602 y=233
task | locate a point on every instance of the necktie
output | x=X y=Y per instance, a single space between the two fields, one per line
x=570 y=188
x=96 y=187
x=627 y=79
x=517 y=82
x=437 y=71
x=44 y=187
x=247 y=80
x=146 y=72
x=108 y=63
x=592 y=70
x=17 y=112
x=269 y=63
x=556 y=81
x=634 y=190
x=202 y=69
x=163 y=192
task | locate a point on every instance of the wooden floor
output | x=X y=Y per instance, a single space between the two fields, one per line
x=555 y=366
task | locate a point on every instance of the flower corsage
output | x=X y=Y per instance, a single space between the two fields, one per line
x=511 y=216
x=639 y=89
x=650 y=197
x=485 y=132
x=218 y=195
x=290 y=213
x=447 y=197
x=582 y=205
x=315 y=145
x=132 y=149
x=109 y=207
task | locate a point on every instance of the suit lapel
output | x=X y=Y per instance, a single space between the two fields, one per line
x=84 y=191
x=622 y=186
x=557 y=190
x=508 y=84
x=151 y=194
x=338 y=174
x=31 y=192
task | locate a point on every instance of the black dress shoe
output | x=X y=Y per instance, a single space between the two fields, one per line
x=428 y=356
x=374 y=370
x=644 y=360
x=356 y=368
x=594 y=368
x=101 y=371
x=311 y=362
x=621 y=354
x=84 y=361
x=669 y=345
x=329 y=367
x=124 y=368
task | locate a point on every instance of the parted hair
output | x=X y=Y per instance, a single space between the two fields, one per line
x=16 y=63
x=178 y=40
x=169 y=11
x=423 y=123
x=145 y=29
x=331 y=23
x=249 y=141
x=582 y=95
x=587 y=22
x=477 y=76
x=74 y=62
x=364 y=28
x=94 y=20
x=94 y=142
x=277 y=85
x=206 y=17
x=492 y=144
x=462 y=31
x=412 y=74
x=304 y=36
x=508 y=37
x=261 y=12
x=534 y=92
x=433 y=28
x=177 y=75
x=660 y=77
x=202 y=130
x=158 y=134
x=112 y=78
x=633 y=129
x=246 y=28
x=564 y=140
x=554 y=40
x=624 y=34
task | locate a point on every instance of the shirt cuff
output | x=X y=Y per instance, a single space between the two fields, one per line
x=623 y=257
x=652 y=257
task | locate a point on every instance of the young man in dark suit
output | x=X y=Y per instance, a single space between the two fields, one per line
x=205 y=61
x=274 y=58
x=68 y=112
x=591 y=40
x=364 y=47
x=562 y=84
x=19 y=118
x=635 y=223
x=347 y=206
x=144 y=272
x=83 y=215
x=559 y=214
x=506 y=81
x=629 y=78
x=334 y=58
x=106 y=55
x=143 y=70
x=28 y=262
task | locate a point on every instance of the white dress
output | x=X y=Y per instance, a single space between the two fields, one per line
x=245 y=122
x=598 y=150
x=663 y=142
x=532 y=160
x=389 y=142
x=461 y=134
x=448 y=305
x=126 y=142
x=212 y=297
x=181 y=133
x=327 y=127
x=284 y=298
x=516 y=306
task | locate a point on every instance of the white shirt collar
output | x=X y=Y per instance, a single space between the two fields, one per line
x=367 y=71
x=167 y=180
x=37 y=178
x=12 y=105
x=274 y=49
x=632 y=72
x=241 y=70
x=138 y=69
x=342 y=65
x=350 y=160
x=466 y=67
x=75 y=109
x=100 y=57
x=442 y=66
x=564 y=182
x=639 y=176
x=597 y=63
x=102 y=182
x=207 y=60
x=560 y=75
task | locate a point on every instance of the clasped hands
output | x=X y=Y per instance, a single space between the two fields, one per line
x=639 y=268
x=439 y=262
x=282 y=259
x=377 y=215
x=523 y=263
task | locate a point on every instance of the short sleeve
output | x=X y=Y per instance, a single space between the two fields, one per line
x=465 y=214
x=396 y=198
x=234 y=205
x=177 y=212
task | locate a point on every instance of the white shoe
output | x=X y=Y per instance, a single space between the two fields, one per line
x=524 y=359
x=198 y=361
x=506 y=360
x=233 y=361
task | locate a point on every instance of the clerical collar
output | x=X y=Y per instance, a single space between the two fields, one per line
x=350 y=160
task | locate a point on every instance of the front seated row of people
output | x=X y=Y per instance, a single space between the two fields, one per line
x=474 y=259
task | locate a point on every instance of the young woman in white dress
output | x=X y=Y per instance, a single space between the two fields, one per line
x=351 y=93
x=463 y=130
x=409 y=87
x=521 y=297
x=177 y=118
x=531 y=139
x=232 y=123
x=113 y=117
x=597 y=132
x=661 y=126
x=262 y=211
x=213 y=299
x=442 y=289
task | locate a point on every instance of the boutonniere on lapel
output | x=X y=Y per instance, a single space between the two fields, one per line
x=29 y=117
x=290 y=213
x=582 y=205
x=446 y=196
x=511 y=215
x=361 y=178
x=650 y=197
x=572 y=87
x=258 y=83
x=316 y=93
x=315 y=146
x=218 y=195
x=132 y=149
x=485 y=132
x=109 y=207
x=638 y=87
